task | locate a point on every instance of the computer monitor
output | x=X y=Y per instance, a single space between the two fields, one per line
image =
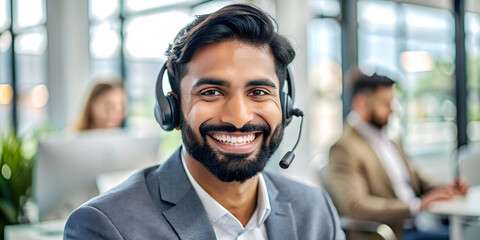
x=67 y=167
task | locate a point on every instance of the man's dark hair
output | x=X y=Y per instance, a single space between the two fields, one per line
x=368 y=84
x=234 y=22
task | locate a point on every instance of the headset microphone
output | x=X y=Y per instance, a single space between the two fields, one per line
x=289 y=156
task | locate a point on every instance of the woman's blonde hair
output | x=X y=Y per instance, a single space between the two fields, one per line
x=85 y=122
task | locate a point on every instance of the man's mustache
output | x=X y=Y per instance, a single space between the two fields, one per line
x=227 y=127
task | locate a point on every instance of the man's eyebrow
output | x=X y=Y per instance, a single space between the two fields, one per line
x=211 y=81
x=261 y=82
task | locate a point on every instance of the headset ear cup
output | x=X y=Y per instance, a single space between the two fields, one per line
x=287 y=98
x=167 y=114
x=174 y=110
x=288 y=108
x=166 y=109
x=157 y=113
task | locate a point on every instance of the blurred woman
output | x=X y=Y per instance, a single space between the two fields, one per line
x=105 y=107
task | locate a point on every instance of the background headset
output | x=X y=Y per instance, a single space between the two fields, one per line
x=167 y=111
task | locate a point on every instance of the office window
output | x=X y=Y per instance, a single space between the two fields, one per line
x=6 y=90
x=415 y=46
x=29 y=37
x=105 y=44
x=377 y=27
x=136 y=5
x=4 y=15
x=325 y=75
x=430 y=114
x=28 y=13
x=209 y=7
x=31 y=78
x=146 y=39
x=472 y=45
x=130 y=40
x=101 y=10
x=325 y=8
x=105 y=39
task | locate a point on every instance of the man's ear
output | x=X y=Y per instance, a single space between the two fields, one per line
x=360 y=101
x=361 y=104
x=178 y=107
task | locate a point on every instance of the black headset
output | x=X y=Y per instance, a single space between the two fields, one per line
x=167 y=111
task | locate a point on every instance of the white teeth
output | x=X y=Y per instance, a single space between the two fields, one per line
x=236 y=141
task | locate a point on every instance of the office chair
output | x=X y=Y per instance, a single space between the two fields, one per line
x=319 y=162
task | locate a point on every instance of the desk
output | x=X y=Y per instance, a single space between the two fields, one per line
x=51 y=230
x=457 y=208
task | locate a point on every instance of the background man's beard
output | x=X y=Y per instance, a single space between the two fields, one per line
x=377 y=122
x=229 y=167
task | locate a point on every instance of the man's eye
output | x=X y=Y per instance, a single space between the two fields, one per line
x=210 y=93
x=258 y=93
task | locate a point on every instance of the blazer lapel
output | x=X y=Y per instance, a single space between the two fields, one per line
x=189 y=219
x=280 y=223
x=374 y=161
x=187 y=216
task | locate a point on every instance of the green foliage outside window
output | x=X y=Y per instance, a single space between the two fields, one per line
x=473 y=86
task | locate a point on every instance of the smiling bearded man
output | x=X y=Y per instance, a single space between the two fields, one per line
x=227 y=70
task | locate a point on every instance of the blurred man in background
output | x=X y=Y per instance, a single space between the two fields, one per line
x=370 y=177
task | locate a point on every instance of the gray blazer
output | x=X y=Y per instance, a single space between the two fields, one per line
x=160 y=203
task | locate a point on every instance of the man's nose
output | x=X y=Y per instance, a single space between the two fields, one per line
x=237 y=111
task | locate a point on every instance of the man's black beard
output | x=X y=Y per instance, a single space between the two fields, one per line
x=229 y=167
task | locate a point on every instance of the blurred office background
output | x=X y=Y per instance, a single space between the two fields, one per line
x=50 y=50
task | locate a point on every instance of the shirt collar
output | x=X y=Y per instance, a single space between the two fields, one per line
x=215 y=211
x=366 y=129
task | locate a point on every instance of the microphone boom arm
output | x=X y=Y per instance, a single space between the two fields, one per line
x=289 y=156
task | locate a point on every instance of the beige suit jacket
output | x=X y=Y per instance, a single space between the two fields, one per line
x=361 y=188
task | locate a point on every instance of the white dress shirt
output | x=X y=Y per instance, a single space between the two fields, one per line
x=227 y=226
x=391 y=160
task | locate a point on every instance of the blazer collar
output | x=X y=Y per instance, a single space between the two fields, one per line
x=281 y=223
x=187 y=216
